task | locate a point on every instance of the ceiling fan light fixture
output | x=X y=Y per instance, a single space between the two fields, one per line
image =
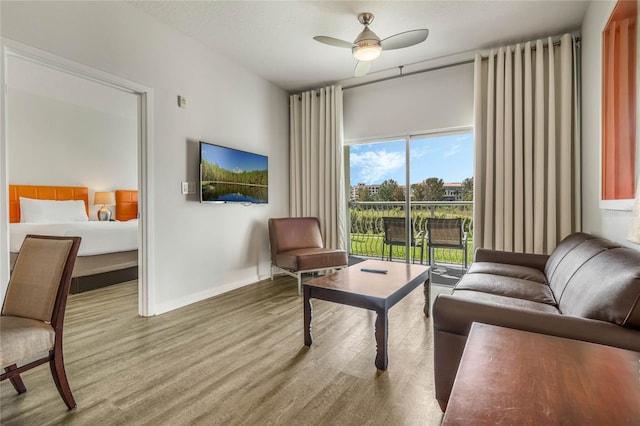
x=367 y=50
x=367 y=46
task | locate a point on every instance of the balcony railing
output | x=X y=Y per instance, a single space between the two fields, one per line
x=367 y=231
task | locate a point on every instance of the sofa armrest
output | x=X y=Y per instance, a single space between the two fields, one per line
x=455 y=315
x=537 y=261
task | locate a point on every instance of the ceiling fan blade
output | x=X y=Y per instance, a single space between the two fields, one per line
x=362 y=68
x=405 y=39
x=334 y=41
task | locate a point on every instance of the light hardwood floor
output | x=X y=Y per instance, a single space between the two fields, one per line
x=237 y=358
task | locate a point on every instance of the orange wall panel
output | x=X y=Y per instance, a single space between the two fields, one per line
x=619 y=102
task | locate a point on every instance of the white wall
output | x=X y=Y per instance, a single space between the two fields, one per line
x=437 y=99
x=69 y=131
x=200 y=250
x=611 y=224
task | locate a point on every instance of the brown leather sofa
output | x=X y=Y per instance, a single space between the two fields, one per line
x=587 y=289
x=297 y=248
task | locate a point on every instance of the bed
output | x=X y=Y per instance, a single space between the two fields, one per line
x=108 y=251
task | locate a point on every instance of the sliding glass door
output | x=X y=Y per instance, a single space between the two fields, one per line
x=377 y=174
x=397 y=184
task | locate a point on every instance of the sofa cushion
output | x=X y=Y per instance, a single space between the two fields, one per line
x=512 y=302
x=311 y=258
x=562 y=249
x=507 y=286
x=574 y=260
x=606 y=288
x=506 y=270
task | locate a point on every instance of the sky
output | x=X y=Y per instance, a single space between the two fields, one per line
x=232 y=159
x=449 y=158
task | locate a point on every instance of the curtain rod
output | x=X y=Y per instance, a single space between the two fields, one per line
x=455 y=64
x=393 y=77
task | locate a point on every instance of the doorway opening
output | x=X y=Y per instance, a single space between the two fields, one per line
x=68 y=125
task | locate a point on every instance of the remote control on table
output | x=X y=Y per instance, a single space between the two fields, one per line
x=375 y=271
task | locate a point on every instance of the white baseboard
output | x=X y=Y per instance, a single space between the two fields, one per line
x=162 y=308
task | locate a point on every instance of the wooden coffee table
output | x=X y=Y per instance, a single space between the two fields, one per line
x=374 y=291
x=515 y=377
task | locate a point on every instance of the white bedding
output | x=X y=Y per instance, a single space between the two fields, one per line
x=97 y=237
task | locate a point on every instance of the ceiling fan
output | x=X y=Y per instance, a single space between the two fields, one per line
x=367 y=46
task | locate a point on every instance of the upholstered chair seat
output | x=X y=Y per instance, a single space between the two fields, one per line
x=24 y=338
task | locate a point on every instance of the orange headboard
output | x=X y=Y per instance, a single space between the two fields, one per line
x=126 y=204
x=39 y=192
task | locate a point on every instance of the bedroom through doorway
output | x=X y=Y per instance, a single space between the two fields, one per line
x=65 y=129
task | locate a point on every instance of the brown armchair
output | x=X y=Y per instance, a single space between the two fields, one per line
x=297 y=248
x=33 y=311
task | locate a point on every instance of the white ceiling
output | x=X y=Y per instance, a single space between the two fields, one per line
x=274 y=38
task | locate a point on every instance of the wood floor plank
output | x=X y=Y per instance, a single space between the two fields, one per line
x=237 y=358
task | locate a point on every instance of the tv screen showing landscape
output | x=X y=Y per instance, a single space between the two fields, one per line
x=231 y=175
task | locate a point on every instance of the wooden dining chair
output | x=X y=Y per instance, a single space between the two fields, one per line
x=32 y=315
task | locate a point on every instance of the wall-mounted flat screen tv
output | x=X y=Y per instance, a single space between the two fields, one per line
x=230 y=175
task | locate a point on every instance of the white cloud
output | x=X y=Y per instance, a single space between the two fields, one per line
x=453 y=150
x=421 y=150
x=376 y=166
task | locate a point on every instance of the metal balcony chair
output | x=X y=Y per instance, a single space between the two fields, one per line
x=394 y=235
x=33 y=311
x=447 y=233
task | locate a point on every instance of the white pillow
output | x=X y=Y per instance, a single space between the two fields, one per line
x=51 y=211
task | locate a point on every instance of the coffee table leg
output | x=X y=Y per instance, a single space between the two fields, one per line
x=382 y=332
x=427 y=298
x=308 y=311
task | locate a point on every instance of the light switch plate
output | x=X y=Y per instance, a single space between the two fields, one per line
x=185 y=188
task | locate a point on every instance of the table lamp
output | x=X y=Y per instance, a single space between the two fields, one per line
x=104 y=199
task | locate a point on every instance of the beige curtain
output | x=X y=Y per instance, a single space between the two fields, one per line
x=527 y=165
x=316 y=161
